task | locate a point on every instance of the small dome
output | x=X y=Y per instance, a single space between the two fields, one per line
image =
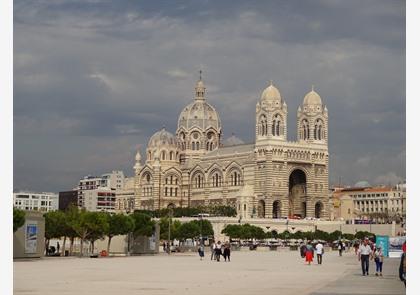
x=312 y=98
x=233 y=140
x=362 y=184
x=271 y=93
x=200 y=84
x=161 y=138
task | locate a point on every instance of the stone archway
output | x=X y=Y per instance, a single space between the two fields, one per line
x=276 y=209
x=171 y=206
x=261 y=209
x=319 y=208
x=297 y=193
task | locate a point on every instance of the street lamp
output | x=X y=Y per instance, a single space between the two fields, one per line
x=201 y=229
x=169 y=231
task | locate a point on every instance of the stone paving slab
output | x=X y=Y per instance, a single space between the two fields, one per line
x=248 y=273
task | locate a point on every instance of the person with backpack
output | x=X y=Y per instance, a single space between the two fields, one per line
x=309 y=254
x=379 y=260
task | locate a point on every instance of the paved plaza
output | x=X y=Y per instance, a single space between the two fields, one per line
x=252 y=272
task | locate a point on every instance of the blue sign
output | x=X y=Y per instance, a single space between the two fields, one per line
x=383 y=242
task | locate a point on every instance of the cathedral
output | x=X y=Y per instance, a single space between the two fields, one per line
x=270 y=178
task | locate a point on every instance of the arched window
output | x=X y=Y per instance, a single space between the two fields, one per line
x=217 y=179
x=305 y=129
x=163 y=155
x=276 y=127
x=193 y=146
x=263 y=125
x=171 y=155
x=318 y=132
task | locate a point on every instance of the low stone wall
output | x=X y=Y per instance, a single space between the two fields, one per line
x=280 y=225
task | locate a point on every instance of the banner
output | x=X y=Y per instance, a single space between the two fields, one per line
x=383 y=242
x=395 y=246
x=31 y=233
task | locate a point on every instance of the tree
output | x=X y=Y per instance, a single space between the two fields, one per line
x=233 y=231
x=71 y=217
x=85 y=226
x=98 y=227
x=143 y=224
x=188 y=230
x=321 y=235
x=118 y=224
x=54 y=226
x=206 y=229
x=335 y=235
x=18 y=219
x=363 y=234
x=285 y=235
x=164 y=228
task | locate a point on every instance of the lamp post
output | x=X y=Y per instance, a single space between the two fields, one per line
x=169 y=231
x=201 y=229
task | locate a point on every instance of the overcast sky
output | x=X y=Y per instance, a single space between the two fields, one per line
x=93 y=80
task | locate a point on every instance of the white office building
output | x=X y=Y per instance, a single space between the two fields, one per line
x=31 y=201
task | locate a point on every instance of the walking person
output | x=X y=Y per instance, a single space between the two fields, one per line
x=226 y=251
x=319 y=252
x=365 y=252
x=309 y=253
x=58 y=247
x=302 y=250
x=201 y=251
x=356 y=247
x=340 y=248
x=379 y=260
x=213 y=251
x=218 y=250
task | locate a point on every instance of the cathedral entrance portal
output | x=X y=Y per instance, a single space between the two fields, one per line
x=276 y=209
x=297 y=192
x=318 y=210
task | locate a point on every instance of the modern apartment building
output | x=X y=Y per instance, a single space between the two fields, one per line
x=32 y=201
x=101 y=199
x=107 y=182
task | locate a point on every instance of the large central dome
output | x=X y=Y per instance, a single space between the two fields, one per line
x=199 y=113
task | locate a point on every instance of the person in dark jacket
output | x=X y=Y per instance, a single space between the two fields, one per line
x=302 y=250
x=402 y=268
x=226 y=252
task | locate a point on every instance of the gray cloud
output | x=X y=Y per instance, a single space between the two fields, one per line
x=93 y=80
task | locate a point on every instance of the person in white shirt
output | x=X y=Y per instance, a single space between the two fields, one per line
x=365 y=252
x=319 y=251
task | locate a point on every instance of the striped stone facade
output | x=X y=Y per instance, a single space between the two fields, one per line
x=270 y=178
